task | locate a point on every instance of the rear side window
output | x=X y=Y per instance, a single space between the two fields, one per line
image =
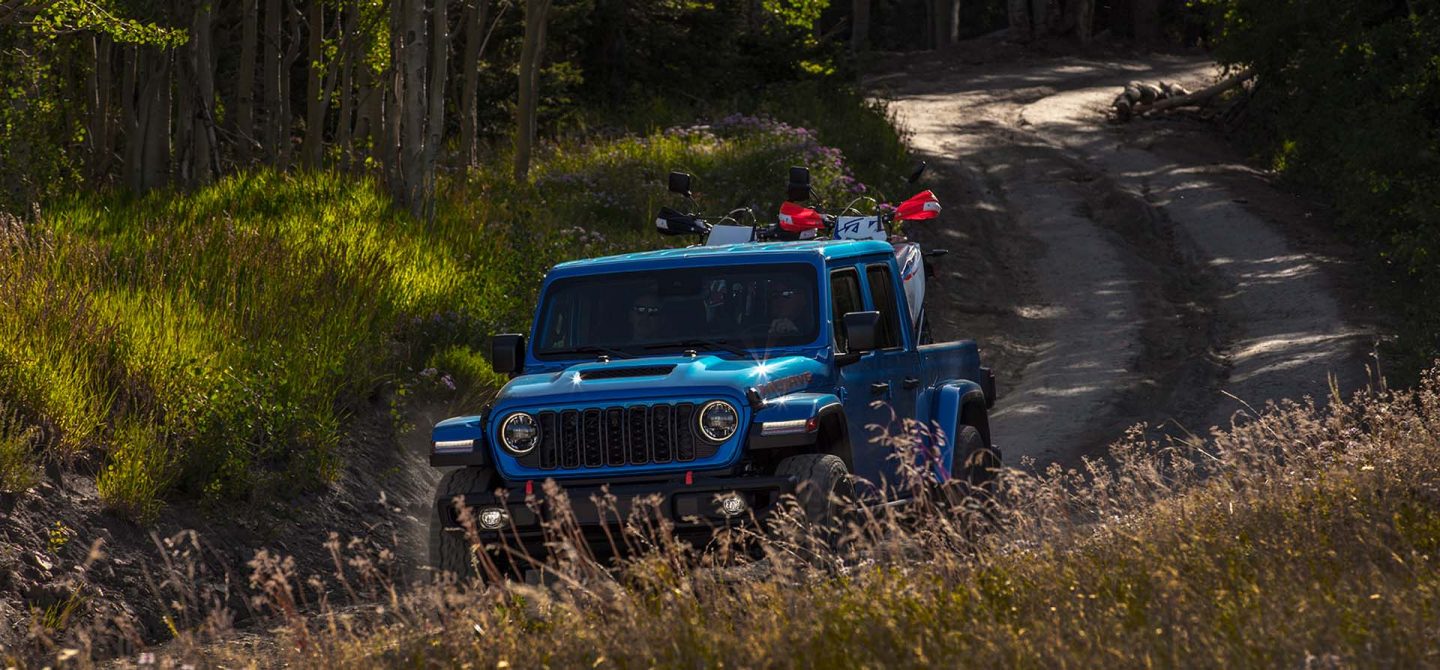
x=882 y=289
x=844 y=298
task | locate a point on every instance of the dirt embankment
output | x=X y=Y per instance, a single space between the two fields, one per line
x=67 y=564
x=1118 y=274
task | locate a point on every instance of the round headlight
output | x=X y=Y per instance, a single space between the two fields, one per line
x=520 y=433
x=718 y=421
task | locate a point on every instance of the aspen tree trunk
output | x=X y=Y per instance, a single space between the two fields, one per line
x=134 y=141
x=937 y=24
x=287 y=67
x=316 y=101
x=155 y=118
x=349 y=43
x=393 y=89
x=205 y=163
x=860 y=26
x=1084 y=12
x=370 y=101
x=476 y=18
x=952 y=22
x=1146 y=17
x=412 y=112
x=274 y=48
x=1044 y=17
x=536 y=15
x=183 y=140
x=245 y=88
x=1020 y=28
x=435 y=124
x=100 y=136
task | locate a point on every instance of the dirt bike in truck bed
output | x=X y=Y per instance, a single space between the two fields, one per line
x=718 y=378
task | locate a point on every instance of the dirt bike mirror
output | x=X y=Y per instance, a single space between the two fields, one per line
x=680 y=183
x=919 y=171
x=799 y=186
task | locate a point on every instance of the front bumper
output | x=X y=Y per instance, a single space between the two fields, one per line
x=599 y=511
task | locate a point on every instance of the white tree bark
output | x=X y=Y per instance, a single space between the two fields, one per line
x=536 y=15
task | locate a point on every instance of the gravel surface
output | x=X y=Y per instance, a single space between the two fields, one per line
x=1128 y=275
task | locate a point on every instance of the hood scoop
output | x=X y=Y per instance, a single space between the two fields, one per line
x=627 y=372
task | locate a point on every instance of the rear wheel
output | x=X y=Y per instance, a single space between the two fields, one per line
x=450 y=550
x=975 y=475
x=979 y=464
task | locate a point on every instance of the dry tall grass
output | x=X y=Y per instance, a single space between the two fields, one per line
x=1306 y=537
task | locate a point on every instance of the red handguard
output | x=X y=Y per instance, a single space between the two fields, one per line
x=797 y=219
x=923 y=205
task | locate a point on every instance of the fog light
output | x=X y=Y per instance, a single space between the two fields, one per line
x=492 y=518
x=733 y=505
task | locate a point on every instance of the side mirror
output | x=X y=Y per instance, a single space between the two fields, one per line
x=919 y=171
x=799 y=187
x=507 y=354
x=862 y=332
x=680 y=183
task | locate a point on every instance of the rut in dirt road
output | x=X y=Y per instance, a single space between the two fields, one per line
x=1134 y=286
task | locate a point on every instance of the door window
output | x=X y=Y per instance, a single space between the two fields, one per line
x=882 y=290
x=844 y=298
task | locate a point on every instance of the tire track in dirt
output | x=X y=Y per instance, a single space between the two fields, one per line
x=1144 y=291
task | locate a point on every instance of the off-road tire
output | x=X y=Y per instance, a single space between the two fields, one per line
x=451 y=552
x=977 y=463
x=971 y=490
x=824 y=490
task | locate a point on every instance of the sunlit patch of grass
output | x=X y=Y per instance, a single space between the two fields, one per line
x=212 y=343
x=18 y=470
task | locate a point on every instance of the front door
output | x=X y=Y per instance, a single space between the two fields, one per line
x=879 y=389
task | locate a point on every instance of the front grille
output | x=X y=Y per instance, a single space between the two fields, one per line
x=615 y=436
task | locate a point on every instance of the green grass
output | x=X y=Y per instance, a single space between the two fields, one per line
x=212 y=344
x=1307 y=537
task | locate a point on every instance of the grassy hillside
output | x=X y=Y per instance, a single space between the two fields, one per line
x=1307 y=538
x=211 y=344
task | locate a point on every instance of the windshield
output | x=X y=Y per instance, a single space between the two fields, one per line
x=705 y=308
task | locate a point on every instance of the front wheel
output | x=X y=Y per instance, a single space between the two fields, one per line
x=450 y=550
x=824 y=491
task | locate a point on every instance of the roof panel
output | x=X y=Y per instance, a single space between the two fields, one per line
x=825 y=248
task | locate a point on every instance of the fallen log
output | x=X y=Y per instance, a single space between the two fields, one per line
x=1199 y=96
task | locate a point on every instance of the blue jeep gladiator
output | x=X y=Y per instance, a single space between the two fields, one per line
x=719 y=378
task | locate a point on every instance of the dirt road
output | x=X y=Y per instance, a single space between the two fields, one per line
x=1116 y=274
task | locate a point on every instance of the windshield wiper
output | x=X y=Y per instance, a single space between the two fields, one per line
x=606 y=351
x=716 y=344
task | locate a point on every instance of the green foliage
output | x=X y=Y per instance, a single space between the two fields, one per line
x=1347 y=100
x=211 y=344
x=17 y=448
x=65 y=16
